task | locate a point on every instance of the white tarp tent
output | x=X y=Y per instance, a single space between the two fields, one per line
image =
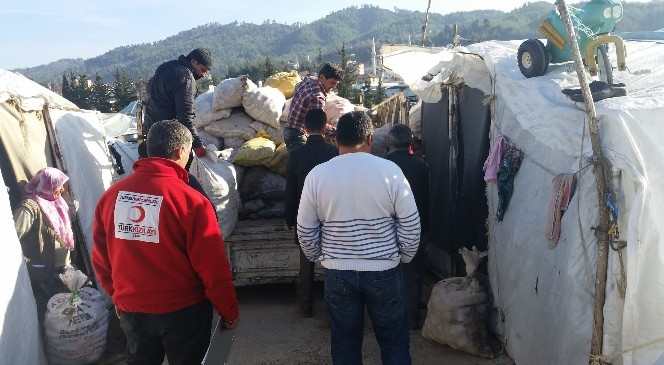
x=546 y=295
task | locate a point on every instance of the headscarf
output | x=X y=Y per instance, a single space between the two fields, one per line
x=42 y=188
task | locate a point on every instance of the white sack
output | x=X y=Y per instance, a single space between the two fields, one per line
x=230 y=91
x=205 y=114
x=219 y=180
x=415 y=120
x=276 y=135
x=238 y=125
x=335 y=107
x=76 y=323
x=264 y=104
x=286 y=112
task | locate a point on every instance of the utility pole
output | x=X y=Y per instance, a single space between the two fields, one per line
x=426 y=25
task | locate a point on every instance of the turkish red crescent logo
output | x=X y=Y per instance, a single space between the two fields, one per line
x=137 y=211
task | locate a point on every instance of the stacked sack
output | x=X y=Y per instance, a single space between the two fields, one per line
x=245 y=121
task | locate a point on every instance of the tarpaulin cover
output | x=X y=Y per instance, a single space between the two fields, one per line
x=30 y=94
x=20 y=340
x=546 y=295
x=82 y=143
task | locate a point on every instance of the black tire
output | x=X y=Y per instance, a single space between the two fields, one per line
x=548 y=58
x=532 y=58
x=604 y=67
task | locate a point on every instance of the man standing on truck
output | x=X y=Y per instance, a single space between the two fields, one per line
x=309 y=94
x=300 y=161
x=400 y=145
x=172 y=89
x=358 y=217
x=159 y=253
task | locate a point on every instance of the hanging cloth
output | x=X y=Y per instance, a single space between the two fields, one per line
x=510 y=164
x=563 y=191
x=492 y=163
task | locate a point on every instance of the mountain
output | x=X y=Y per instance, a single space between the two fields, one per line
x=240 y=44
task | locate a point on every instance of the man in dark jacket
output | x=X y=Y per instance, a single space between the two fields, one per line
x=300 y=162
x=400 y=143
x=172 y=90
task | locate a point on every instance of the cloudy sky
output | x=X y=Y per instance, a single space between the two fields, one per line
x=41 y=31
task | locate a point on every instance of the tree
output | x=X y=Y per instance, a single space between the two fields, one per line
x=319 y=60
x=268 y=68
x=123 y=90
x=66 y=87
x=349 y=78
x=80 y=91
x=100 y=95
x=380 y=91
x=368 y=95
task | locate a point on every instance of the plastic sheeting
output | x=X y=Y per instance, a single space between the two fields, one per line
x=30 y=94
x=82 y=142
x=20 y=340
x=545 y=296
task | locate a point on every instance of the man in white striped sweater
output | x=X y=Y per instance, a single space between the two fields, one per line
x=358 y=217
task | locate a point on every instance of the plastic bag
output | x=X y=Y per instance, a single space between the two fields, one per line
x=260 y=183
x=335 y=107
x=255 y=152
x=458 y=311
x=415 y=120
x=264 y=104
x=276 y=135
x=219 y=180
x=286 y=112
x=238 y=125
x=207 y=138
x=284 y=82
x=76 y=323
x=229 y=93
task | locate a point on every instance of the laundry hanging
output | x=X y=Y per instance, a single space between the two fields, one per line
x=564 y=186
x=492 y=163
x=510 y=164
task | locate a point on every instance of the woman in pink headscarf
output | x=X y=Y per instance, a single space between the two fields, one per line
x=44 y=229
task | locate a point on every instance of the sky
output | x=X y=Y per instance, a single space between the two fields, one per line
x=36 y=32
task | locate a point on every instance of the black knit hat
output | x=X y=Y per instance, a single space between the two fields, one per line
x=202 y=56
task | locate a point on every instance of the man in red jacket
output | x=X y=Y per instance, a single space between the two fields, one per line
x=160 y=254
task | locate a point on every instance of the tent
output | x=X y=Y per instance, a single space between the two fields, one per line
x=543 y=295
x=39 y=128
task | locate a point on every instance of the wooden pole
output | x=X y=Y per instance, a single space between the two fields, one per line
x=426 y=25
x=600 y=171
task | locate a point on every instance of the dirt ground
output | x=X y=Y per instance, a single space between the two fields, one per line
x=271 y=332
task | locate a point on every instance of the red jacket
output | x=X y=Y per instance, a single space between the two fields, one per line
x=157 y=245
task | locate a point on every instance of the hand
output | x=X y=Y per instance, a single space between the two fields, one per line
x=200 y=151
x=229 y=324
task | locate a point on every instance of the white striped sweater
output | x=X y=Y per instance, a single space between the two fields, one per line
x=357 y=212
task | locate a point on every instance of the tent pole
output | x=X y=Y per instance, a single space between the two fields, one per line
x=426 y=25
x=600 y=172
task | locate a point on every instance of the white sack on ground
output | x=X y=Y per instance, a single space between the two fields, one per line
x=76 y=323
x=265 y=105
x=271 y=133
x=21 y=339
x=207 y=138
x=219 y=180
x=205 y=114
x=87 y=162
x=553 y=324
x=335 y=107
x=238 y=125
x=286 y=111
x=229 y=93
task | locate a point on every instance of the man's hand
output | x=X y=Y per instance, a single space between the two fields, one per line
x=200 y=151
x=229 y=324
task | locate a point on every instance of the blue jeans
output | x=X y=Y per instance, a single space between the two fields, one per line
x=383 y=293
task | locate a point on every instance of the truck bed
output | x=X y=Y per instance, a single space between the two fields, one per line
x=263 y=251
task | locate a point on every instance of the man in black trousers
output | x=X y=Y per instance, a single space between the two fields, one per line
x=300 y=161
x=400 y=144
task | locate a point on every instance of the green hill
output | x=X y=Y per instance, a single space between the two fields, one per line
x=238 y=44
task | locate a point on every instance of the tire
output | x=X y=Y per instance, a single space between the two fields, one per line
x=604 y=67
x=532 y=58
x=548 y=58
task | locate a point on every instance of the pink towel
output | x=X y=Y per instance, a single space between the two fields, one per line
x=492 y=163
x=563 y=191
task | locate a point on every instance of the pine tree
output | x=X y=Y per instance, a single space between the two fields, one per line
x=368 y=94
x=66 y=87
x=100 y=96
x=80 y=92
x=349 y=74
x=123 y=90
x=319 y=60
x=380 y=92
x=268 y=68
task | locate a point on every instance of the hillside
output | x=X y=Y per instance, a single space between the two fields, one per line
x=238 y=44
